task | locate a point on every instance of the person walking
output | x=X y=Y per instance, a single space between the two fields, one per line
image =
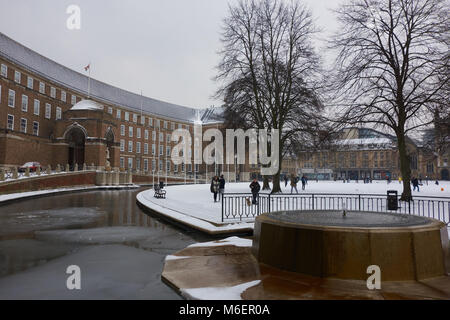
x=286 y=179
x=255 y=187
x=215 y=187
x=294 y=181
x=415 y=183
x=221 y=186
x=303 y=182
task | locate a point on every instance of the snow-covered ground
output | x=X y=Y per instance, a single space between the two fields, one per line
x=194 y=204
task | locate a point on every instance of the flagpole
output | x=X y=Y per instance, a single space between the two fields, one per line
x=89 y=81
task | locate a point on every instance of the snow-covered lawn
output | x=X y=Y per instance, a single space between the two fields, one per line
x=196 y=201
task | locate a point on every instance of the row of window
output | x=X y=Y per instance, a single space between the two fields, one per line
x=146 y=134
x=146 y=120
x=23 y=125
x=30 y=84
x=131 y=162
x=138 y=148
x=36 y=105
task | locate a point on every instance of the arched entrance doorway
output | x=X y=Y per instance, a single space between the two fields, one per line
x=110 y=148
x=76 y=140
x=445 y=174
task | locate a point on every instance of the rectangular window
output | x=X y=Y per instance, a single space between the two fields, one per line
x=168 y=138
x=175 y=168
x=58 y=113
x=145 y=148
x=161 y=137
x=158 y=124
x=130 y=163
x=168 y=151
x=127 y=116
x=35 y=128
x=73 y=99
x=138 y=164
x=168 y=166
x=135 y=118
x=24 y=103
x=145 y=165
x=161 y=150
x=150 y=122
x=48 y=111
x=23 y=125
x=10 y=123
x=63 y=96
x=52 y=92
x=122 y=162
x=189 y=167
x=165 y=125
x=122 y=130
x=138 y=133
x=37 y=107
x=153 y=149
x=17 y=76
x=119 y=114
x=4 y=71
x=138 y=147
x=42 y=88
x=146 y=134
x=122 y=145
x=11 y=98
x=172 y=126
x=143 y=120
x=154 y=135
x=130 y=132
x=30 y=83
x=180 y=126
x=130 y=146
x=110 y=110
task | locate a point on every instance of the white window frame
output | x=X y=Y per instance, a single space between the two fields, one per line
x=73 y=99
x=130 y=146
x=122 y=162
x=48 y=111
x=11 y=93
x=30 y=82
x=146 y=165
x=145 y=148
x=146 y=134
x=130 y=163
x=130 y=132
x=135 y=118
x=36 y=132
x=58 y=113
x=122 y=145
x=26 y=124
x=4 y=70
x=143 y=120
x=24 y=103
x=41 y=87
x=127 y=116
x=53 y=92
x=7 y=122
x=36 y=106
x=122 y=130
x=110 y=110
x=119 y=114
x=138 y=133
x=138 y=147
x=17 y=76
x=63 y=96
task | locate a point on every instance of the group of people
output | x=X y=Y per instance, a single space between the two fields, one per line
x=294 y=180
x=217 y=187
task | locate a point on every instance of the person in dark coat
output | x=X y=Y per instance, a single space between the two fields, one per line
x=415 y=183
x=303 y=182
x=294 y=181
x=221 y=186
x=255 y=187
x=215 y=187
x=286 y=179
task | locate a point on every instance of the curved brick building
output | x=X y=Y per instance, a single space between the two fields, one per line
x=47 y=116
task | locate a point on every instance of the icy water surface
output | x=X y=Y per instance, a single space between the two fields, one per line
x=119 y=249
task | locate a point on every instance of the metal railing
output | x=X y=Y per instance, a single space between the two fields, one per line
x=239 y=207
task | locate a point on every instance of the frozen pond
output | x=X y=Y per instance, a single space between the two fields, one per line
x=119 y=249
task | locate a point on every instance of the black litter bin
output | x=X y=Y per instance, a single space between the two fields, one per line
x=392 y=200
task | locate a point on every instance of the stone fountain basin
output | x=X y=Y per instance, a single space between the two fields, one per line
x=327 y=244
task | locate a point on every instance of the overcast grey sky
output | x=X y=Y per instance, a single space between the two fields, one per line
x=166 y=48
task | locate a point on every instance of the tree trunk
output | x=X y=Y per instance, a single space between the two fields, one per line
x=405 y=168
x=276 y=188
x=266 y=185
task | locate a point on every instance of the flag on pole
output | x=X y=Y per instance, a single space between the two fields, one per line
x=88 y=67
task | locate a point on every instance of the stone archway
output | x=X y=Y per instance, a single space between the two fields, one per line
x=76 y=140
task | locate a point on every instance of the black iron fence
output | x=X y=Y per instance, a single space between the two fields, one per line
x=239 y=206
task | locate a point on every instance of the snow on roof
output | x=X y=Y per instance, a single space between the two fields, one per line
x=53 y=71
x=87 y=105
x=366 y=141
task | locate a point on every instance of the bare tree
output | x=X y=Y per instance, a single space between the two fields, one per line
x=269 y=69
x=390 y=54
